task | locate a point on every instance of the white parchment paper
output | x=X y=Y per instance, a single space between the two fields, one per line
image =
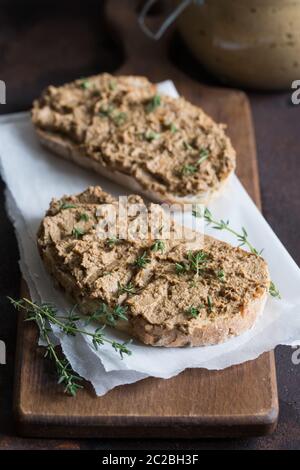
x=33 y=176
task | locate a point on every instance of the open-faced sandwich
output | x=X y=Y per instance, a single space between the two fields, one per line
x=121 y=127
x=171 y=291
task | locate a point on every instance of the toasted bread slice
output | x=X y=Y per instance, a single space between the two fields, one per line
x=164 y=148
x=174 y=292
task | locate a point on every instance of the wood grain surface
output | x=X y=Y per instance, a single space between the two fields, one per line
x=241 y=400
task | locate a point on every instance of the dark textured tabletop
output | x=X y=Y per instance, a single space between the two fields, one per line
x=51 y=44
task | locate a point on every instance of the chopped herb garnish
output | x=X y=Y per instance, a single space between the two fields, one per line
x=181 y=268
x=158 y=245
x=221 y=275
x=193 y=312
x=153 y=104
x=84 y=217
x=85 y=84
x=151 y=135
x=173 y=128
x=204 y=154
x=106 y=111
x=142 y=260
x=112 y=241
x=78 y=232
x=127 y=288
x=120 y=118
x=187 y=146
x=67 y=205
x=197 y=260
x=273 y=291
x=224 y=225
x=188 y=170
x=112 y=85
x=194 y=263
x=210 y=303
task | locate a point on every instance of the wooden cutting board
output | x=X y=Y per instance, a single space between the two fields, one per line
x=238 y=401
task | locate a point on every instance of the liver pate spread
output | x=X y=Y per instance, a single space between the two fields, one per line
x=170 y=288
x=167 y=145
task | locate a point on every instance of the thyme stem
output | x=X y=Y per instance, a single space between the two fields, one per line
x=41 y=315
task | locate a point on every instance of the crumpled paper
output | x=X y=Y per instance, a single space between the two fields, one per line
x=33 y=176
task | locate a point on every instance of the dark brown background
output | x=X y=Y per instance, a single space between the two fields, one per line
x=59 y=41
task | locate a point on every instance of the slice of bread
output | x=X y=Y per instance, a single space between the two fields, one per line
x=164 y=148
x=175 y=292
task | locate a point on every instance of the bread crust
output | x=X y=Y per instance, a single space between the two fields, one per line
x=208 y=331
x=67 y=150
x=219 y=331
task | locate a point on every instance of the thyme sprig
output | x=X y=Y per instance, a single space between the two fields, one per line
x=127 y=288
x=67 y=205
x=224 y=225
x=45 y=315
x=83 y=217
x=119 y=118
x=78 y=232
x=210 y=303
x=142 y=260
x=189 y=169
x=109 y=315
x=241 y=237
x=195 y=263
x=173 y=128
x=85 y=84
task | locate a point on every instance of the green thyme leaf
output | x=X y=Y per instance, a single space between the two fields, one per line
x=85 y=84
x=67 y=205
x=84 y=217
x=273 y=291
x=153 y=104
x=112 y=85
x=188 y=169
x=204 y=154
x=181 y=268
x=221 y=275
x=78 y=232
x=120 y=118
x=193 y=312
x=158 y=245
x=105 y=111
x=142 y=260
x=151 y=135
x=187 y=146
x=122 y=348
x=127 y=288
x=197 y=213
x=173 y=128
x=112 y=241
x=210 y=303
x=109 y=315
x=197 y=261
